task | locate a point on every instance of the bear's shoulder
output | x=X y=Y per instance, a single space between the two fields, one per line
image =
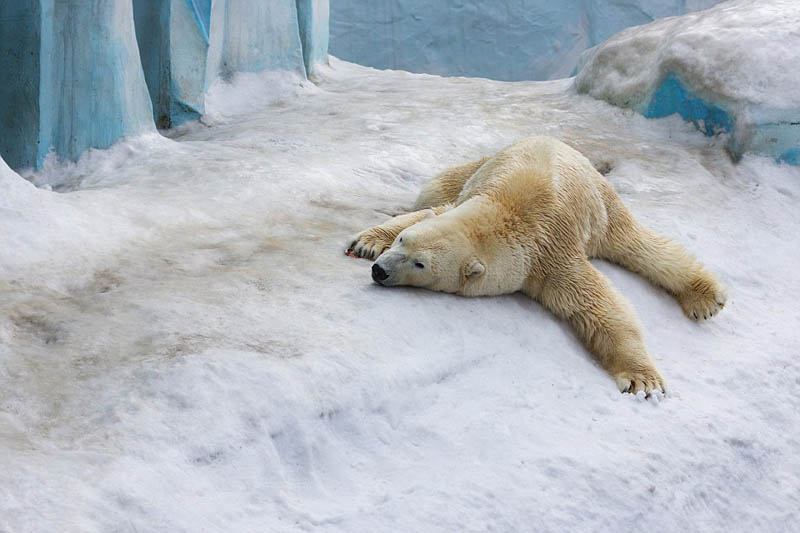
x=524 y=167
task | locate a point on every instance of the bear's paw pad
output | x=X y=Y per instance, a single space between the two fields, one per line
x=703 y=299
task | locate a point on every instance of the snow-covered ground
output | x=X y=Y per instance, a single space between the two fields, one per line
x=185 y=347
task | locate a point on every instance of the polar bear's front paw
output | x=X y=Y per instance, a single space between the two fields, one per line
x=703 y=298
x=371 y=243
x=633 y=381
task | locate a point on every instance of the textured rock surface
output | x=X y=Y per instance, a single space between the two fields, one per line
x=504 y=40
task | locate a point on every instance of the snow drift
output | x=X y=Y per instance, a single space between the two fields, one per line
x=731 y=68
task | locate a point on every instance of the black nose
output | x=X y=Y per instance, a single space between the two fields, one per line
x=378 y=273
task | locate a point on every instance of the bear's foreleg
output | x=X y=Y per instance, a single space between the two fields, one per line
x=603 y=320
x=372 y=242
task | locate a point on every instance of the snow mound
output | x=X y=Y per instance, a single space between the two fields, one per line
x=726 y=69
x=28 y=217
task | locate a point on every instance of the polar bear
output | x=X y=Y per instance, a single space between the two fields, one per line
x=528 y=219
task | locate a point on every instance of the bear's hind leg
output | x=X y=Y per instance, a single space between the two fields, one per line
x=663 y=262
x=372 y=242
x=604 y=321
x=445 y=188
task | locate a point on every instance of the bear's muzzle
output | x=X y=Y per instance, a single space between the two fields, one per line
x=379 y=274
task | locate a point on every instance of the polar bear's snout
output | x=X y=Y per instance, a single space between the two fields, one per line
x=387 y=269
x=378 y=273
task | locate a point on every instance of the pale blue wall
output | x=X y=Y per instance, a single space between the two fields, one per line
x=78 y=83
x=151 y=18
x=312 y=17
x=92 y=90
x=260 y=35
x=187 y=44
x=498 y=39
x=173 y=38
x=19 y=64
x=78 y=74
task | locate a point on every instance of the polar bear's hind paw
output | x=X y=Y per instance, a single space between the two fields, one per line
x=704 y=298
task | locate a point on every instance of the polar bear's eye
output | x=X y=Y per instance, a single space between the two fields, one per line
x=401 y=239
x=418 y=264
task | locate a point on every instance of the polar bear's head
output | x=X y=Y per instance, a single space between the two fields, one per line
x=433 y=254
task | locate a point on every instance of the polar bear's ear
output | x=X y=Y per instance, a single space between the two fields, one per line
x=474 y=268
x=429 y=213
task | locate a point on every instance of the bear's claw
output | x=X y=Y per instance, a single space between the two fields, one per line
x=648 y=381
x=704 y=297
x=367 y=245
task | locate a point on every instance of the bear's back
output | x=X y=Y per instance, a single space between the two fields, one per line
x=542 y=178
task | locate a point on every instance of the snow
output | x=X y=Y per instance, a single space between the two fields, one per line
x=184 y=346
x=735 y=57
x=502 y=40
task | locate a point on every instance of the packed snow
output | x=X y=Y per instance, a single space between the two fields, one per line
x=740 y=56
x=185 y=347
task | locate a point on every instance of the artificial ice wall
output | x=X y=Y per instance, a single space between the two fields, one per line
x=81 y=74
x=502 y=39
